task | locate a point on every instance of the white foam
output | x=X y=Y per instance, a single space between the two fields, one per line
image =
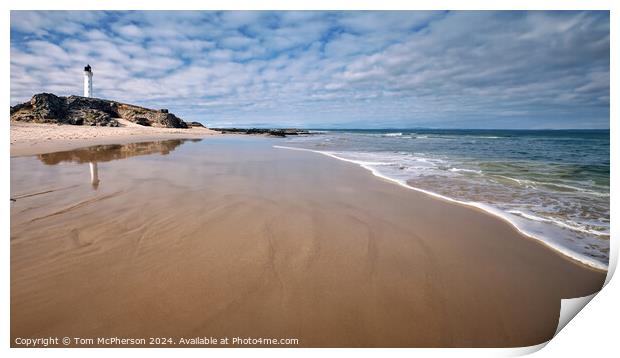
x=574 y=226
x=590 y=192
x=465 y=170
x=485 y=207
x=534 y=183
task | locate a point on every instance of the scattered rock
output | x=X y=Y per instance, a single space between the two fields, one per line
x=195 y=124
x=278 y=132
x=143 y=122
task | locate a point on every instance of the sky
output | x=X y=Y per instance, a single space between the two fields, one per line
x=352 y=69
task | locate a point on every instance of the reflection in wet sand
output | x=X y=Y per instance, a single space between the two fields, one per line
x=106 y=153
x=94 y=175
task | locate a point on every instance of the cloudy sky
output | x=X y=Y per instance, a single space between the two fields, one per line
x=327 y=69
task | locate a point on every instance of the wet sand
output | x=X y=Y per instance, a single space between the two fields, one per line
x=231 y=237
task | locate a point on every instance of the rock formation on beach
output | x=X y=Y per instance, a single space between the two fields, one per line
x=277 y=132
x=76 y=110
x=194 y=124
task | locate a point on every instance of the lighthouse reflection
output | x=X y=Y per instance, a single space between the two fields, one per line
x=94 y=175
x=106 y=153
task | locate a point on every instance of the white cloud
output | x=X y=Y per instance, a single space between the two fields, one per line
x=324 y=67
x=130 y=31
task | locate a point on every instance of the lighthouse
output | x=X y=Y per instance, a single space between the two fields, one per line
x=88 y=81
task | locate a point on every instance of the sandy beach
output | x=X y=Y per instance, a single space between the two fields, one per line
x=230 y=237
x=36 y=138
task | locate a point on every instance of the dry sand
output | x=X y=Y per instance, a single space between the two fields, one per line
x=234 y=238
x=35 y=138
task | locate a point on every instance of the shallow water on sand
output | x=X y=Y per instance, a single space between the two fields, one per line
x=102 y=236
x=553 y=185
x=231 y=237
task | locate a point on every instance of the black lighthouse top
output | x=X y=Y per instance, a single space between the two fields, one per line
x=87 y=68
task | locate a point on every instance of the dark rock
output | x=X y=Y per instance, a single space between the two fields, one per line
x=76 y=110
x=42 y=108
x=143 y=122
x=88 y=116
x=195 y=124
x=155 y=118
x=277 y=132
x=48 y=106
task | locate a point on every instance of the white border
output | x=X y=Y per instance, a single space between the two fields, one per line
x=593 y=331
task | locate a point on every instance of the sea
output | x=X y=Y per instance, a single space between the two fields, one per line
x=552 y=185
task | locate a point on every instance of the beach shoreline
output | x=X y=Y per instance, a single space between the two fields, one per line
x=484 y=209
x=39 y=138
x=35 y=139
x=358 y=262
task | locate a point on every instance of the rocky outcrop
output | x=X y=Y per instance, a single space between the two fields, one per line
x=154 y=118
x=194 y=124
x=278 y=132
x=76 y=110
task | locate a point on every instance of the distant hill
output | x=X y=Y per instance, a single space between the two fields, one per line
x=76 y=110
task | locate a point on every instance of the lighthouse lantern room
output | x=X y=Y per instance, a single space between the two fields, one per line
x=88 y=81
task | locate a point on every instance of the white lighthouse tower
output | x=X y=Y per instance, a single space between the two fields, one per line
x=88 y=81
